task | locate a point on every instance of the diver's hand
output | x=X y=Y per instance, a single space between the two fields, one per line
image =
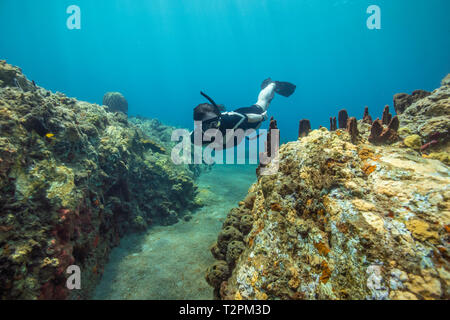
x=253 y=117
x=264 y=116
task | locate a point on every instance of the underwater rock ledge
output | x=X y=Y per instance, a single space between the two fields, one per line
x=344 y=218
x=74 y=178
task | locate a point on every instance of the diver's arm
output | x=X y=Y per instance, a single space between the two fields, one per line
x=253 y=117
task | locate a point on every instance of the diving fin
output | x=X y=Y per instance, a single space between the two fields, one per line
x=285 y=89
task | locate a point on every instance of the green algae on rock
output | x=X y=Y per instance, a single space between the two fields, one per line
x=413 y=141
x=74 y=178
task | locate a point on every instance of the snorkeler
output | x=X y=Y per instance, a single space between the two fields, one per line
x=212 y=117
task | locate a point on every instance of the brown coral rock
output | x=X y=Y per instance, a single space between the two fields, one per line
x=217 y=273
x=246 y=224
x=333 y=124
x=234 y=250
x=375 y=131
x=367 y=118
x=304 y=128
x=227 y=235
x=387 y=116
x=273 y=126
x=342 y=119
x=378 y=134
x=352 y=128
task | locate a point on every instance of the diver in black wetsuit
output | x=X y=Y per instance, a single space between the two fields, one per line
x=243 y=118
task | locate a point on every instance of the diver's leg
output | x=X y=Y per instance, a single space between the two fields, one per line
x=266 y=95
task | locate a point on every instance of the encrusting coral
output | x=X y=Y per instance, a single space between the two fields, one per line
x=345 y=218
x=74 y=178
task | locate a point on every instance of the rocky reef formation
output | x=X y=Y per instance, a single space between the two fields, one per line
x=403 y=100
x=344 y=218
x=426 y=123
x=74 y=178
x=161 y=135
x=116 y=102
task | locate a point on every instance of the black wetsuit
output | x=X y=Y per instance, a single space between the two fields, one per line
x=234 y=120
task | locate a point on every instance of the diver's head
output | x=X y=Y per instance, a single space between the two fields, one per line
x=209 y=115
x=205 y=112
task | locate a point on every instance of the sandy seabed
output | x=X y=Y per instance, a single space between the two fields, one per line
x=169 y=262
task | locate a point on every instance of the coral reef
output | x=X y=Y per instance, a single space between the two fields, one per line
x=116 y=102
x=304 y=128
x=343 y=219
x=74 y=179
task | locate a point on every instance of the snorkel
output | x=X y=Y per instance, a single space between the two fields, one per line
x=210 y=122
x=213 y=123
x=210 y=100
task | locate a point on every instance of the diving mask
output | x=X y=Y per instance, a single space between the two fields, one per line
x=213 y=123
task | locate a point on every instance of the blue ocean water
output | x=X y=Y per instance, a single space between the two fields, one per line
x=161 y=53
